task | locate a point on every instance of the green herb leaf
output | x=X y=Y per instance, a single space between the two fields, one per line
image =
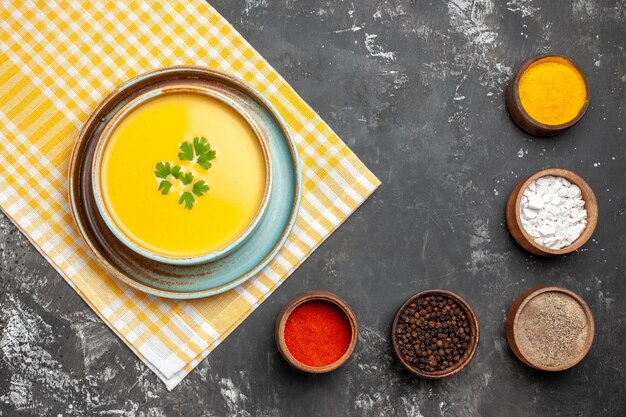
x=199 y=188
x=199 y=149
x=186 y=151
x=187 y=199
x=203 y=160
x=186 y=178
x=162 y=170
x=200 y=145
x=204 y=154
x=164 y=187
x=176 y=173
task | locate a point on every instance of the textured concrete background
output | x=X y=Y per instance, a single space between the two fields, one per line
x=416 y=90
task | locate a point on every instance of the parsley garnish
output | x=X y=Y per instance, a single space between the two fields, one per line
x=198 y=150
x=162 y=169
x=176 y=173
x=186 y=178
x=164 y=187
x=187 y=199
x=199 y=188
x=204 y=153
x=186 y=151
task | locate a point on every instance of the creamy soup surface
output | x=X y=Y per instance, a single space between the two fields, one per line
x=152 y=133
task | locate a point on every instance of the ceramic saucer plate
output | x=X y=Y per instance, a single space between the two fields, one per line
x=209 y=278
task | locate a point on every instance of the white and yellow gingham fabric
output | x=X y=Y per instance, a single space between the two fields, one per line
x=58 y=59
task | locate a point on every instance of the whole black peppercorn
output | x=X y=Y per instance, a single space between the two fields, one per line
x=433 y=333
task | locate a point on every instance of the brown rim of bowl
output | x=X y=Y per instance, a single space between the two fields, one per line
x=119 y=116
x=519 y=114
x=314 y=295
x=517 y=308
x=469 y=353
x=514 y=221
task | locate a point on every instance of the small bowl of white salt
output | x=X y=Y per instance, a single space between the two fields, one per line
x=552 y=212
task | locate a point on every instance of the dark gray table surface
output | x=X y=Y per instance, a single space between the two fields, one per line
x=415 y=88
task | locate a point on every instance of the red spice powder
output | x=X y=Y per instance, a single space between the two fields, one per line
x=317 y=333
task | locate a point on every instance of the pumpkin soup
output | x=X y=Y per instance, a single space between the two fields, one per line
x=183 y=175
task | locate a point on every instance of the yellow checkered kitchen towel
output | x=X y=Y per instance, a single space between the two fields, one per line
x=58 y=59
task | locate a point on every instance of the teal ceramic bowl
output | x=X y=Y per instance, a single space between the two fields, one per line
x=206 y=278
x=109 y=219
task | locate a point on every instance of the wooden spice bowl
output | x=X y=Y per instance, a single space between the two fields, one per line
x=283 y=315
x=515 y=311
x=472 y=344
x=514 y=221
x=519 y=114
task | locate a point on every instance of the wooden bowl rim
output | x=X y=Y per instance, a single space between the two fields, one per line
x=591 y=205
x=547 y=130
x=306 y=296
x=474 y=339
x=518 y=306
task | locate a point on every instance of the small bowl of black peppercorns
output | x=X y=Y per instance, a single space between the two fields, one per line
x=435 y=334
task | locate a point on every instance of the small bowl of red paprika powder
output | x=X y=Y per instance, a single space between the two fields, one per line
x=316 y=332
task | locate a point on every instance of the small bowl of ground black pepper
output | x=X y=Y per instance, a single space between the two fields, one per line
x=435 y=334
x=550 y=328
x=316 y=332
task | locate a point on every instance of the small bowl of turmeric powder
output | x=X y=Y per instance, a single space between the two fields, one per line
x=547 y=94
x=316 y=332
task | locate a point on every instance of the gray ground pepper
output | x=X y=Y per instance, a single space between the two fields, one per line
x=551 y=330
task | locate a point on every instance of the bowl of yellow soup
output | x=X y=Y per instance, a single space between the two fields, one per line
x=182 y=174
x=187 y=281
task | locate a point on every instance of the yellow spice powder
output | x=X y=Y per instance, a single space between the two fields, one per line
x=552 y=91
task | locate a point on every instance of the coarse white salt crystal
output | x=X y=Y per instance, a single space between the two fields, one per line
x=552 y=212
x=529 y=213
x=574 y=191
x=535 y=202
x=545 y=182
x=546 y=229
